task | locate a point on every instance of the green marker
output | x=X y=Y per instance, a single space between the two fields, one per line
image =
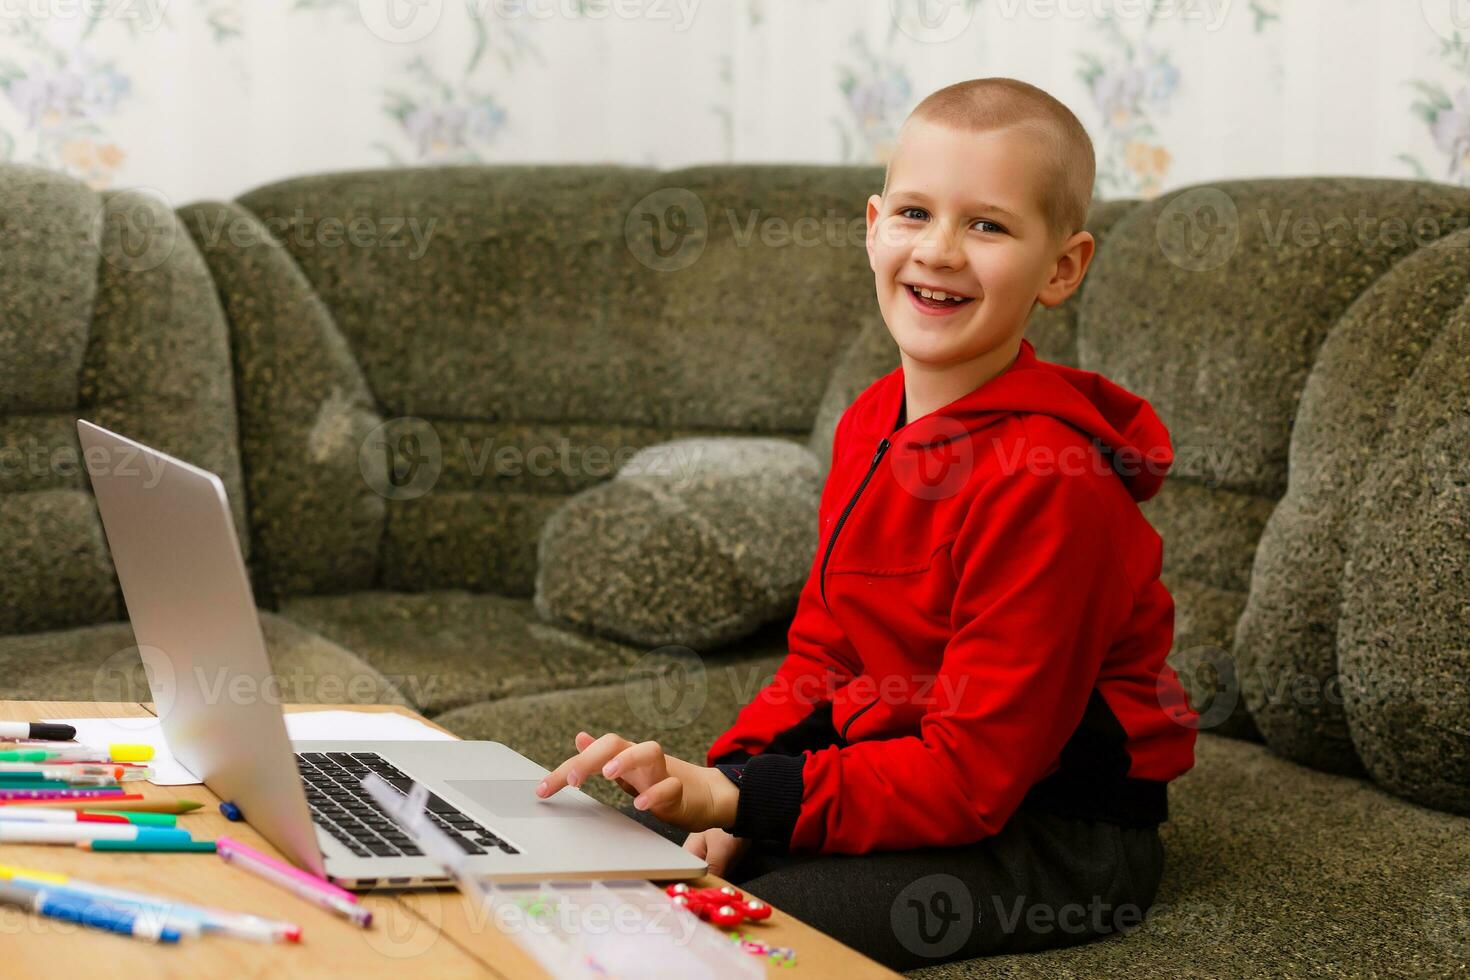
x=152 y=845
x=141 y=819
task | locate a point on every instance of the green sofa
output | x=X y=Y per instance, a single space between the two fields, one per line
x=538 y=448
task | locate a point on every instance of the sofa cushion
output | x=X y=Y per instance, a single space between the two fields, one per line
x=106 y=313
x=1211 y=301
x=439 y=299
x=695 y=542
x=1204 y=633
x=317 y=479
x=1053 y=332
x=1274 y=869
x=1404 y=639
x=101 y=663
x=445 y=649
x=1288 y=633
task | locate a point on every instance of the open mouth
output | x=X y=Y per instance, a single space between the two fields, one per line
x=929 y=304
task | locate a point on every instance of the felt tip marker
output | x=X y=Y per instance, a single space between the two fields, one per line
x=37 y=729
x=12 y=832
x=93 y=914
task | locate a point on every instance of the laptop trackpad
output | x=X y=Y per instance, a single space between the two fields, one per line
x=516 y=799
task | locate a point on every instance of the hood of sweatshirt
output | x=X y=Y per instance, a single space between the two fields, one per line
x=1123 y=426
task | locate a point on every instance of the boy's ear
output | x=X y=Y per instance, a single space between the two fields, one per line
x=1073 y=258
x=875 y=204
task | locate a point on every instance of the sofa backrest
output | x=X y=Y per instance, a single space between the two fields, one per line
x=1303 y=340
x=432 y=359
x=106 y=313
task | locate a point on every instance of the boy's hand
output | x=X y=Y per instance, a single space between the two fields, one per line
x=719 y=849
x=677 y=792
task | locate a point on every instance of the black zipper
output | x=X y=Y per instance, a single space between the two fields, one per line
x=855 y=716
x=872 y=467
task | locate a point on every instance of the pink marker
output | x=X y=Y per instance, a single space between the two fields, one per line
x=316 y=890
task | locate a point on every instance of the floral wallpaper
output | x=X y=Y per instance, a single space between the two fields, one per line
x=208 y=98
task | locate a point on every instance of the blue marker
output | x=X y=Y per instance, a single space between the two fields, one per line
x=87 y=913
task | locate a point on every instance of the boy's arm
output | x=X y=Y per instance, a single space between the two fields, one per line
x=1040 y=597
x=794 y=710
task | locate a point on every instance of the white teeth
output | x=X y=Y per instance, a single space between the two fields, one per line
x=938 y=294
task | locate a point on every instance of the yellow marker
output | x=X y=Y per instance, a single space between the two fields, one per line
x=130 y=753
x=12 y=871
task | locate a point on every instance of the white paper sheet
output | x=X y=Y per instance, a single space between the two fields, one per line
x=99 y=733
x=301 y=725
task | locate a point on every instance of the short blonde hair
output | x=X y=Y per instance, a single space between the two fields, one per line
x=984 y=104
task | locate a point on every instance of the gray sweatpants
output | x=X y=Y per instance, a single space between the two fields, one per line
x=1043 y=882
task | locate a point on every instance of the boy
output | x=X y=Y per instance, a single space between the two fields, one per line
x=975 y=700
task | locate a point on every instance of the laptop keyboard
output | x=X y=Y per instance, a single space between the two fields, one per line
x=342 y=808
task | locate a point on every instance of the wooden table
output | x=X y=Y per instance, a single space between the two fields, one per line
x=431 y=933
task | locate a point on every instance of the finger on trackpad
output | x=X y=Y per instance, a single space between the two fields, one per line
x=516 y=798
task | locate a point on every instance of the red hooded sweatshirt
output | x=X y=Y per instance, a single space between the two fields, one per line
x=983 y=626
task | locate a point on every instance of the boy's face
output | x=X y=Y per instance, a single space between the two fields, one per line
x=962 y=214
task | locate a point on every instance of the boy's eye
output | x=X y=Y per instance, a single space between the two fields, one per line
x=905 y=212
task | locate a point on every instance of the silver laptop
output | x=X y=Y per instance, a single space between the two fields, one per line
x=178 y=561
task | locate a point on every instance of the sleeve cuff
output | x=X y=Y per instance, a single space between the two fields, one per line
x=770 y=798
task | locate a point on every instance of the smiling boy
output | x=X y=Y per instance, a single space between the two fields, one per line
x=975 y=696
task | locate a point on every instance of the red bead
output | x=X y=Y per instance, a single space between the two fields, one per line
x=682 y=901
x=755 y=909
x=678 y=888
x=726 y=915
x=729 y=892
